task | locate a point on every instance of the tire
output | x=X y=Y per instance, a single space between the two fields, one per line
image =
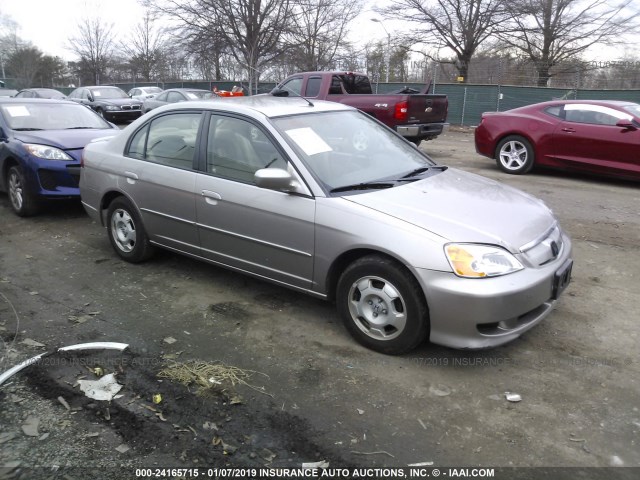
x=126 y=232
x=515 y=155
x=23 y=202
x=382 y=305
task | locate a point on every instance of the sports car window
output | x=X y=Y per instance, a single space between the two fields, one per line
x=236 y=149
x=554 y=110
x=594 y=114
x=169 y=140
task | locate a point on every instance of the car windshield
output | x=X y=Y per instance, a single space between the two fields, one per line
x=198 y=94
x=633 y=110
x=108 y=93
x=50 y=116
x=349 y=148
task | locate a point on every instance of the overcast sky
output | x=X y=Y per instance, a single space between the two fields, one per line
x=48 y=24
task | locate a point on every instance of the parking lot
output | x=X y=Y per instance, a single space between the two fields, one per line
x=577 y=373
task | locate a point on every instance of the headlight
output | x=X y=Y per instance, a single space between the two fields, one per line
x=49 y=153
x=111 y=107
x=478 y=261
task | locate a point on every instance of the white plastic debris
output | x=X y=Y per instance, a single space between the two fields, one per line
x=440 y=390
x=30 y=426
x=512 y=397
x=420 y=464
x=103 y=389
x=320 y=464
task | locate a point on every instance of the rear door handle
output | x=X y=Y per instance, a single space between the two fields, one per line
x=568 y=130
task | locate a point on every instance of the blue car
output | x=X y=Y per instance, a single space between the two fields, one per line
x=41 y=143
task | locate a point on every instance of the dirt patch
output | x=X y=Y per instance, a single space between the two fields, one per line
x=183 y=429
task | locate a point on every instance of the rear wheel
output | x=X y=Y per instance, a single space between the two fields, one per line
x=382 y=305
x=515 y=155
x=126 y=232
x=23 y=202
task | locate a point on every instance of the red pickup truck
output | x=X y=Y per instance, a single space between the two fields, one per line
x=415 y=115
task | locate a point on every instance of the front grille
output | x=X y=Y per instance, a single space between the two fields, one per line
x=130 y=107
x=545 y=249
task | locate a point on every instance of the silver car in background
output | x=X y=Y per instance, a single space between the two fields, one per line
x=324 y=199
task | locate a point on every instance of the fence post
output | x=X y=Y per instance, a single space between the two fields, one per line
x=464 y=105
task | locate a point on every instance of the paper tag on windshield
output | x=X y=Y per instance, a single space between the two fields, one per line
x=309 y=141
x=17 y=111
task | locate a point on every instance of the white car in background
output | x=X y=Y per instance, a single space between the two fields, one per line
x=142 y=93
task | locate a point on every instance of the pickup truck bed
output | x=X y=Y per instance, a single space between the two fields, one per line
x=416 y=116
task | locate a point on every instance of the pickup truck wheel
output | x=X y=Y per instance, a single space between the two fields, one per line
x=382 y=305
x=515 y=155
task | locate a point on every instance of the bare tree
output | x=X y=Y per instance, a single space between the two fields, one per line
x=550 y=32
x=461 y=25
x=251 y=29
x=94 y=43
x=145 y=46
x=318 y=32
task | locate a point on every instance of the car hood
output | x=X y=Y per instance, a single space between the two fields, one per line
x=65 y=139
x=463 y=207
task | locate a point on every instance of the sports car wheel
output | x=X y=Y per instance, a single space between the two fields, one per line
x=515 y=155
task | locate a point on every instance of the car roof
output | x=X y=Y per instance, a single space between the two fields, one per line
x=186 y=89
x=605 y=103
x=39 y=101
x=267 y=105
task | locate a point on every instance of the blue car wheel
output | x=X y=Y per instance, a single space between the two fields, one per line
x=23 y=202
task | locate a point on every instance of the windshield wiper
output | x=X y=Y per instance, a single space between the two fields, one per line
x=27 y=129
x=79 y=128
x=362 y=186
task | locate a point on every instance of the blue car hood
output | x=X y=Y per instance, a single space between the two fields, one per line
x=65 y=139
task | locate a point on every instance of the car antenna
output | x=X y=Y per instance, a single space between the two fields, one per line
x=284 y=92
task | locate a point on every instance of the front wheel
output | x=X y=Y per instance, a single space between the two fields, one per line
x=23 y=202
x=515 y=155
x=382 y=305
x=126 y=232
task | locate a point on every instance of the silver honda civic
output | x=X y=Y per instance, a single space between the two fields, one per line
x=324 y=199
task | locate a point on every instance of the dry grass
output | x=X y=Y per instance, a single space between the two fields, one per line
x=208 y=376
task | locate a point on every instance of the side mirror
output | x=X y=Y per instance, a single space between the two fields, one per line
x=90 y=98
x=626 y=124
x=3 y=136
x=274 y=179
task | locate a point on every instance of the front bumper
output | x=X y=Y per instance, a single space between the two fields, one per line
x=119 y=115
x=488 y=312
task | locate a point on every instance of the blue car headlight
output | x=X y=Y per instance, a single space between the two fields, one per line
x=47 y=152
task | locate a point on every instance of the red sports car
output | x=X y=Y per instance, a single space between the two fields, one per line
x=601 y=137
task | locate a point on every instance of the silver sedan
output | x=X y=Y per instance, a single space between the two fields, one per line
x=324 y=199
